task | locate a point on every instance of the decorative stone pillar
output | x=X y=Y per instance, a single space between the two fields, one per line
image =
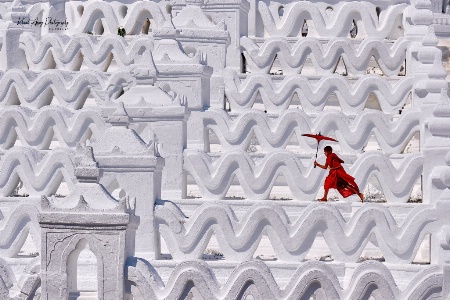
x=15 y=23
x=431 y=96
x=438 y=129
x=165 y=115
x=179 y=73
x=125 y=159
x=198 y=33
x=234 y=13
x=87 y=217
x=429 y=90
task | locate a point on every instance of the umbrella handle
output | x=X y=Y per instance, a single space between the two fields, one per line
x=317 y=150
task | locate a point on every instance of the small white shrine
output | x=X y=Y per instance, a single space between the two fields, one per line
x=154 y=149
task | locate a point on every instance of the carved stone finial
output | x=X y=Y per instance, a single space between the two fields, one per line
x=16 y=12
x=120 y=116
x=86 y=169
x=82 y=204
x=17 y=6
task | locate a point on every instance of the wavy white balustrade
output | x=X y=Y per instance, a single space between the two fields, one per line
x=325 y=57
x=314 y=92
x=113 y=15
x=25 y=287
x=71 y=52
x=26 y=117
x=37 y=128
x=275 y=133
x=308 y=278
x=214 y=178
x=187 y=238
x=41 y=172
x=71 y=89
x=337 y=25
x=15 y=229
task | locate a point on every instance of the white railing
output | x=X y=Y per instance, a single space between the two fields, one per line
x=167 y=122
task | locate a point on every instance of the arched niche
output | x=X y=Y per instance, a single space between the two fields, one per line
x=82 y=271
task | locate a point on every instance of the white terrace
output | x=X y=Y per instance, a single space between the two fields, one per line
x=154 y=150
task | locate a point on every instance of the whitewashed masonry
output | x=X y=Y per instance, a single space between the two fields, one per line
x=168 y=163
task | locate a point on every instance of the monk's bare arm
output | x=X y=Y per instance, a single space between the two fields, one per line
x=320 y=166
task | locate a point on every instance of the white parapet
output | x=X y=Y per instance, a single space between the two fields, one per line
x=156 y=149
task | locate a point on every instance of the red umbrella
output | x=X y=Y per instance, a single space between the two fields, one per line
x=319 y=138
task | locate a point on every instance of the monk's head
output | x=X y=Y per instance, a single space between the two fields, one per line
x=327 y=150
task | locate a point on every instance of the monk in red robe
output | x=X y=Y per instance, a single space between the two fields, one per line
x=337 y=178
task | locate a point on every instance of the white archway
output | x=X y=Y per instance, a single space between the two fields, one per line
x=82 y=281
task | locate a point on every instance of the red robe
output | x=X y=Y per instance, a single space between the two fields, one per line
x=338 y=179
